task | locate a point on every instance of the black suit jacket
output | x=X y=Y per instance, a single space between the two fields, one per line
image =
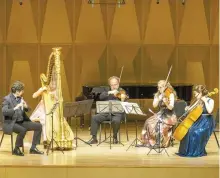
x=9 y=115
x=105 y=97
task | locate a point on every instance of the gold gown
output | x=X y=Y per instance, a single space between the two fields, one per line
x=52 y=80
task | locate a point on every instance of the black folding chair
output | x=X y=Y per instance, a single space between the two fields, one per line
x=179 y=109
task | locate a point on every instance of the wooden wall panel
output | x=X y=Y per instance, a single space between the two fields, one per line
x=147 y=38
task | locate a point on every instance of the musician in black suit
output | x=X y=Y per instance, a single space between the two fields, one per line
x=14 y=110
x=116 y=117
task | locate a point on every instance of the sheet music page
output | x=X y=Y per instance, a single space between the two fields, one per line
x=117 y=107
x=103 y=106
x=132 y=108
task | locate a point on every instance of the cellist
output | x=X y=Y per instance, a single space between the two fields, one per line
x=194 y=142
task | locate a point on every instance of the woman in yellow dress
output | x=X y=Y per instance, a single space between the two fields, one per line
x=51 y=92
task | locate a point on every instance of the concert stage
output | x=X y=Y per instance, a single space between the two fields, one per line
x=100 y=161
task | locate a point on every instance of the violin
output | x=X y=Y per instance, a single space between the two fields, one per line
x=167 y=91
x=120 y=93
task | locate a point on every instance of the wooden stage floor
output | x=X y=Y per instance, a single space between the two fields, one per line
x=102 y=157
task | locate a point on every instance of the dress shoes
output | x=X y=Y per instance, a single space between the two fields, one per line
x=92 y=141
x=140 y=145
x=35 y=151
x=17 y=152
x=115 y=141
x=45 y=144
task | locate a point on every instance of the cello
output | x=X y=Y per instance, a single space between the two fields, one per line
x=192 y=115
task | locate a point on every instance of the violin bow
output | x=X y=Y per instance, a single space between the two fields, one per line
x=121 y=73
x=168 y=74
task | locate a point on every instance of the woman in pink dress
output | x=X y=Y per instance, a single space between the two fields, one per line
x=157 y=129
x=39 y=114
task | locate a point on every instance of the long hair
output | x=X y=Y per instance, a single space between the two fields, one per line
x=168 y=86
x=201 y=89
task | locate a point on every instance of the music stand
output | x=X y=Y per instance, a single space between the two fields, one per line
x=52 y=139
x=1 y=119
x=156 y=145
x=109 y=107
x=133 y=109
x=76 y=110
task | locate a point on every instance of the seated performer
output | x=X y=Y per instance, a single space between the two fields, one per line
x=51 y=92
x=14 y=110
x=150 y=132
x=195 y=141
x=39 y=114
x=116 y=118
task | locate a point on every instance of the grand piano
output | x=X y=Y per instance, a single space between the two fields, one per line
x=135 y=91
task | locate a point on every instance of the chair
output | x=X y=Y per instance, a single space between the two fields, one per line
x=179 y=109
x=216 y=130
x=12 y=147
x=119 y=133
x=3 y=134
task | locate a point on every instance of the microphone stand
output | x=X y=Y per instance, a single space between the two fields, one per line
x=52 y=139
x=158 y=145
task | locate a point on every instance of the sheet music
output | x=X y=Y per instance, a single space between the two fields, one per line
x=132 y=108
x=103 y=106
x=78 y=108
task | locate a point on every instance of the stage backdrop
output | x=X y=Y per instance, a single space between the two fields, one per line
x=144 y=37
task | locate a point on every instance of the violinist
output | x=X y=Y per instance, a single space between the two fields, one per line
x=194 y=142
x=164 y=100
x=115 y=93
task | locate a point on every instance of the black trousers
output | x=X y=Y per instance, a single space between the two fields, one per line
x=99 y=118
x=22 y=128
